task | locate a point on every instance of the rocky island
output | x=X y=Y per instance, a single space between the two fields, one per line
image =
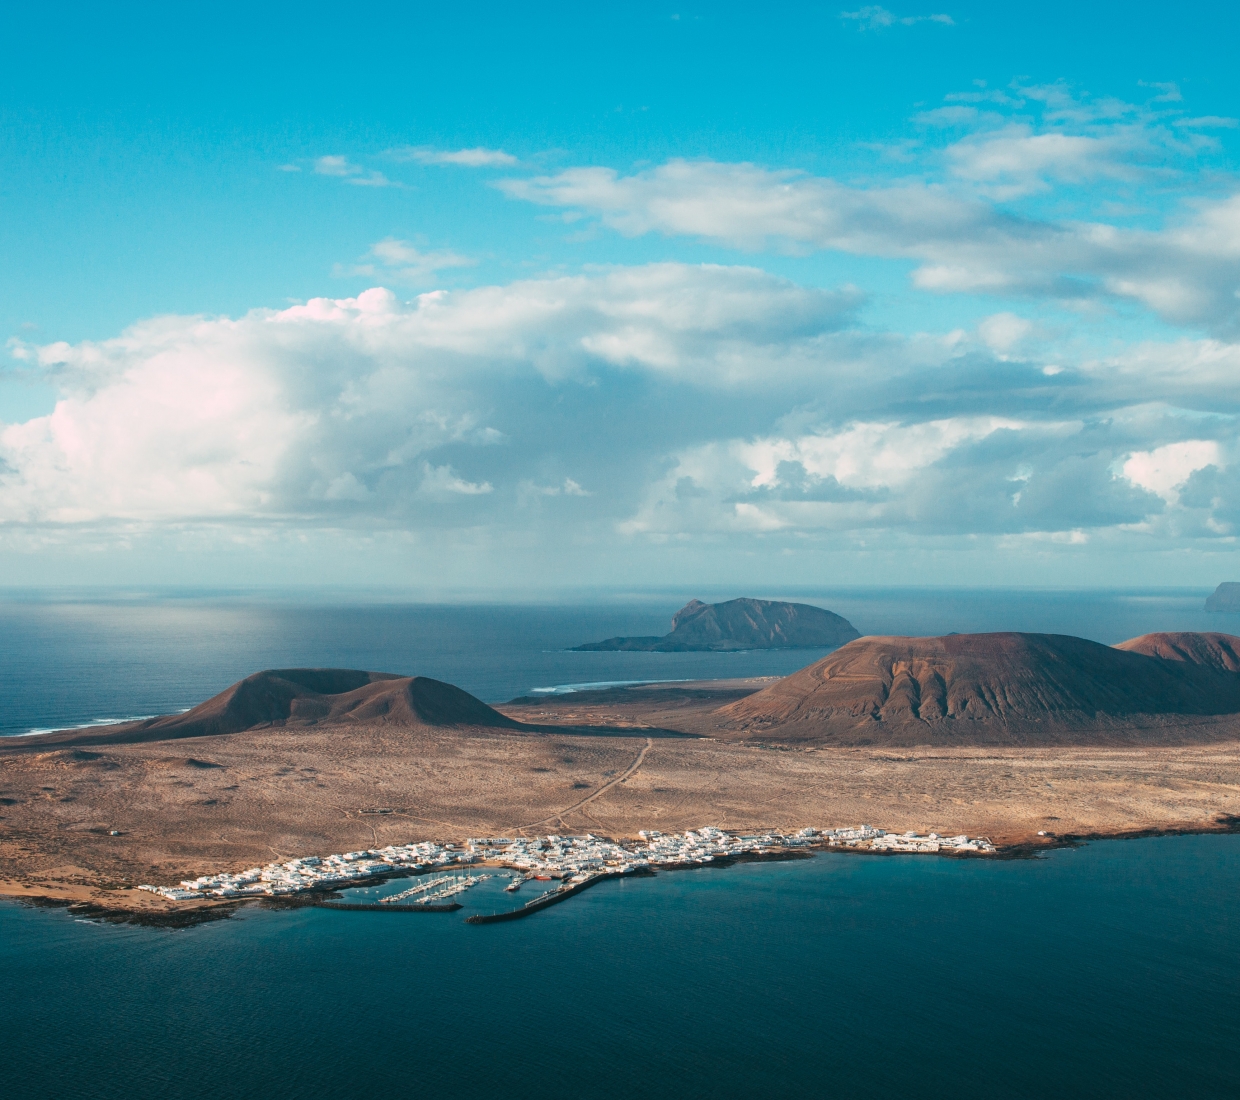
x=1226 y=597
x=740 y=624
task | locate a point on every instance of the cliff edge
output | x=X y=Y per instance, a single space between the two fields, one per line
x=740 y=624
x=1226 y=597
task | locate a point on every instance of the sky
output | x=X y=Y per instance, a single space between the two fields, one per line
x=515 y=298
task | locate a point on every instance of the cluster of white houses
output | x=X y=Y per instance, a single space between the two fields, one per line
x=559 y=857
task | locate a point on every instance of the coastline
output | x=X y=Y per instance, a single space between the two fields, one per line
x=149 y=910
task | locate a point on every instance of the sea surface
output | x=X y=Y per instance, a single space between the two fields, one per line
x=1111 y=970
x=72 y=659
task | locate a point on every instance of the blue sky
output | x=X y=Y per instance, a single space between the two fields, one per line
x=638 y=295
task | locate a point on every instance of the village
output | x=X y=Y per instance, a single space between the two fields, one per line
x=570 y=859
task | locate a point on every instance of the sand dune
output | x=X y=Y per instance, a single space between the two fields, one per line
x=1002 y=688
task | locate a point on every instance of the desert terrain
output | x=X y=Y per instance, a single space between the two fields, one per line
x=203 y=804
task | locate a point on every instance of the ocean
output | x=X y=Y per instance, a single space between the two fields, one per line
x=1112 y=970
x=72 y=659
x=1108 y=970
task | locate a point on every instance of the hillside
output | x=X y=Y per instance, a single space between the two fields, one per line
x=302 y=697
x=1220 y=651
x=999 y=688
x=741 y=624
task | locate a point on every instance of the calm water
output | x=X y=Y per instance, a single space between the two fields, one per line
x=1109 y=971
x=1113 y=970
x=70 y=661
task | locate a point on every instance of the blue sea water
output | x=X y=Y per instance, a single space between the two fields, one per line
x=68 y=660
x=1108 y=971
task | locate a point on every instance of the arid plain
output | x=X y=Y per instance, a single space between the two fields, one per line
x=599 y=763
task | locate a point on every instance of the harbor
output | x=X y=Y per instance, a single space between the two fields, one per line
x=447 y=870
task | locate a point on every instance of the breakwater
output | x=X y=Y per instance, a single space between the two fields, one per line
x=553 y=897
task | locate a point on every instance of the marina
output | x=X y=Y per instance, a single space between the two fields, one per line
x=573 y=862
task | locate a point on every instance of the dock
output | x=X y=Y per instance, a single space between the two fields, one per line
x=560 y=893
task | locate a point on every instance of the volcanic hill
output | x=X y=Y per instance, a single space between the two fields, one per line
x=1003 y=689
x=303 y=697
x=741 y=624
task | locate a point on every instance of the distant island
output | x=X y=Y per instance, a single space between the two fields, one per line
x=1226 y=597
x=740 y=624
x=372 y=764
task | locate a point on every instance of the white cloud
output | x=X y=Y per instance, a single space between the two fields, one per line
x=1208 y=122
x=1001 y=332
x=864 y=475
x=345 y=403
x=399 y=260
x=335 y=166
x=477 y=157
x=868 y=455
x=443 y=481
x=1017 y=161
x=1167 y=92
x=872 y=18
x=343 y=168
x=529 y=490
x=1165 y=469
x=688 y=402
x=1188 y=272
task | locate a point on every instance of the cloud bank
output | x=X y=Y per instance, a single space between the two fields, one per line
x=665 y=401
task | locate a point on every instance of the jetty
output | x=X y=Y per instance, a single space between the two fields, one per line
x=552 y=897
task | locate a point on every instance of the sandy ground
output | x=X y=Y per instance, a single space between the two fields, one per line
x=203 y=805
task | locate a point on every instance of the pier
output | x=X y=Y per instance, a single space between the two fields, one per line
x=552 y=897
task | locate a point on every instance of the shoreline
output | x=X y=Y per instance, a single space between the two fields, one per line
x=157 y=913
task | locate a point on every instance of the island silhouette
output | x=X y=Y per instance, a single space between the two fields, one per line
x=740 y=624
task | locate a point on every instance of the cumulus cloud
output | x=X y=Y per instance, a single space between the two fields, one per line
x=1165 y=469
x=976 y=475
x=667 y=401
x=478 y=157
x=364 y=404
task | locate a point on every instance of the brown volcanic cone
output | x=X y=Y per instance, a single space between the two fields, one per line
x=303 y=697
x=998 y=689
x=1221 y=651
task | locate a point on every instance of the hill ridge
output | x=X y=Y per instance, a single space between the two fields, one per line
x=1000 y=687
